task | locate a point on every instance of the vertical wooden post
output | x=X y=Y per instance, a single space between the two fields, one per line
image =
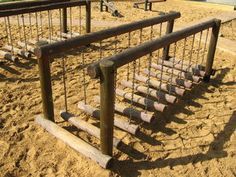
x=107 y=93
x=211 y=50
x=150 y=6
x=46 y=87
x=169 y=29
x=101 y=5
x=146 y=5
x=107 y=6
x=88 y=16
x=64 y=20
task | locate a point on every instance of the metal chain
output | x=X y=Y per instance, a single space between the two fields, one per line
x=71 y=22
x=128 y=72
x=30 y=23
x=148 y=81
x=132 y=94
x=24 y=32
x=151 y=33
x=6 y=29
x=37 y=26
x=10 y=36
x=80 y=20
x=49 y=27
x=60 y=21
x=160 y=33
x=19 y=27
x=84 y=79
x=191 y=53
x=140 y=42
x=172 y=71
x=100 y=49
x=199 y=45
x=183 y=57
x=41 y=24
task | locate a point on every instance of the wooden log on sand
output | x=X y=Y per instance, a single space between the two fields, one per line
x=120 y=123
x=87 y=127
x=185 y=75
x=30 y=48
x=156 y=84
x=154 y=93
x=142 y=101
x=18 y=51
x=128 y=111
x=174 y=80
x=8 y=56
x=75 y=142
x=69 y=34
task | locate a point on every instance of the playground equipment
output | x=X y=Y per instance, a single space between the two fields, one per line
x=147 y=3
x=36 y=21
x=136 y=78
x=109 y=6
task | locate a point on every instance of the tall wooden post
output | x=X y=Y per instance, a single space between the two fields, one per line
x=107 y=93
x=46 y=86
x=88 y=16
x=211 y=50
x=64 y=20
x=169 y=29
x=101 y=5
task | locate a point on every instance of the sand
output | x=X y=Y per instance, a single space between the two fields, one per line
x=196 y=137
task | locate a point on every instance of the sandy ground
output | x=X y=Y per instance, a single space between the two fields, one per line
x=196 y=137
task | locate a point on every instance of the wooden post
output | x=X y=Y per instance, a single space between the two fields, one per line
x=169 y=29
x=211 y=50
x=146 y=5
x=150 y=6
x=64 y=20
x=101 y=5
x=46 y=87
x=107 y=106
x=88 y=16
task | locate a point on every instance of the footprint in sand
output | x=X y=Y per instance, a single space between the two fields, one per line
x=4 y=147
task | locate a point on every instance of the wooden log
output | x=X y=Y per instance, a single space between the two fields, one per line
x=142 y=101
x=174 y=80
x=120 y=123
x=75 y=142
x=18 y=51
x=111 y=8
x=185 y=68
x=8 y=56
x=69 y=34
x=30 y=48
x=152 y=92
x=164 y=86
x=87 y=127
x=128 y=111
x=185 y=75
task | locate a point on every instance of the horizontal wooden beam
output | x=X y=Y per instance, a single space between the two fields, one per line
x=118 y=122
x=75 y=142
x=150 y=104
x=85 y=126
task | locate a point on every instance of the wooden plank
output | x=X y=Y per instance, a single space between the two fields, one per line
x=156 y=84
x=120 y=123
x=75 y=142
x=152 y=92
x=85 y=126
x=185 y=75
x=128 y=111
x=142 y=101
x=30 y=48
x=174 y=80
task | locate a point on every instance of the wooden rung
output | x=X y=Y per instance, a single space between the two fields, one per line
x=186 y=75
x=185 y=68
x=69 y=34
x=58 y=38
x=75 y=142
x=128 y=111
x=85 y=126
x=157 y=84
x=142 y=101
x=120 y=123
x=8 y=56
x=152 y=92
x=18 y=51
x=174 y=80
x=30 y=48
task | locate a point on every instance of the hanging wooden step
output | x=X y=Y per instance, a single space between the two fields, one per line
x=87 y=127
x=118 y=122
x=69 y=34
x=130 y=112
x=152 y=92
x=156 y=84
x=185 y=75
x=142 y=101
x=17 y=51
x=8 y=56
x=179 y=66
x=30 y=48
x=174 y=80
x=75 y=142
